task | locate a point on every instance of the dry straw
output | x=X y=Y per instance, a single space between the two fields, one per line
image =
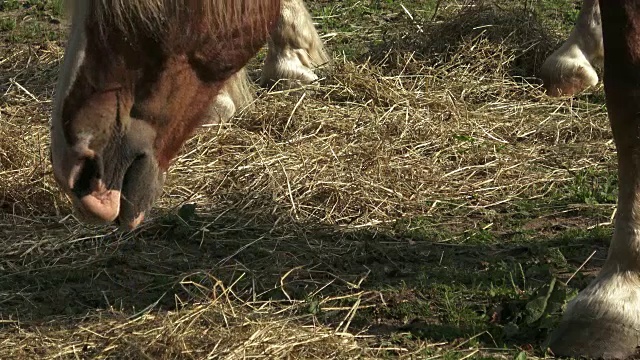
x=284 y=193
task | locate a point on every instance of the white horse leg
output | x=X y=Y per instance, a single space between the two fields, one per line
x=604 y=319
x=570 y=69
x=235 y=94
x=295 y=48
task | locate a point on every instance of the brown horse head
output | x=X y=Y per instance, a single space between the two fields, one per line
x=138 y=77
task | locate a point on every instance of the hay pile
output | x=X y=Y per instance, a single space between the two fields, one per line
x=290 y=196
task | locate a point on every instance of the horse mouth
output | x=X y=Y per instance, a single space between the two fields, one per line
x=107 y=208
x=125 y=203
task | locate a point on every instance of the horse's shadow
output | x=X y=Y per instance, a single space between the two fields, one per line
x=178 y=259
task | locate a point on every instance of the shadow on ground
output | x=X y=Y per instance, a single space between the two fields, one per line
x=413 y=282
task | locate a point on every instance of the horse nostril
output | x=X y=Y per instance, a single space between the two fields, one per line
x=86 y=180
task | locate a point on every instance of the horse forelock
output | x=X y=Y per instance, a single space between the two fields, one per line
x=154 y=18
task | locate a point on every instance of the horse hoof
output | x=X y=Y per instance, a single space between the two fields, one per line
x=594 y=338
x=288 y=70
x=603 y=321
x=222 y=109
x=567 y=76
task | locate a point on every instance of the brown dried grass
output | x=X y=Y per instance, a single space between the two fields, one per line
x=284 y=192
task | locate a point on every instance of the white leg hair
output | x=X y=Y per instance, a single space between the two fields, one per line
x=234 y=95
x=570 y=69
x=603 y=321
x=295 y=48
